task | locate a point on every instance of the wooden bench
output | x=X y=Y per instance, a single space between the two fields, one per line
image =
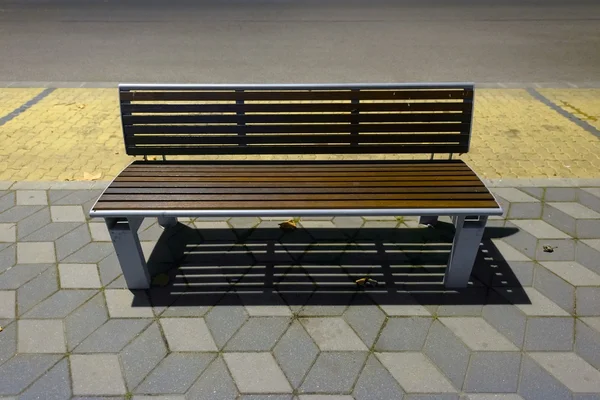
x=282 y=120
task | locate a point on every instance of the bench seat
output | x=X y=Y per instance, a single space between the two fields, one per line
x=262 y=188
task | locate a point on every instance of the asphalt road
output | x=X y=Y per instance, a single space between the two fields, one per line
x=300 y=40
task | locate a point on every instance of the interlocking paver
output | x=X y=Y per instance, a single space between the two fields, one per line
x=37 y=290
x=588 y=253
x=537 y=384
x=375 y=382
x=588 y=301
x=478 y=334
x=573 y=218
x=60 y=304
x=324 y=397
x=521 y=204
x=8 y=344
x=41 y=336
x=590 y=197
x=8 y=232
x=223 y=321
x=99 y=232
x=90 y=253
x=113 y=336
x=109 y=269
x=96 y=374
x=366 y=320
x=492 y=396
x=508 y=252
x=332 y=334
x=264 y=377
x=8 y=257
x=507 y=320
x=334 y=372
x=85 y=320
x=258 y=334
x=553 y=334
x=20 y=371
x=79 y=276
x=175 y=373
x=126 y=304
x=421 y=377
x=142 y=355
x=54 y=384
x=31 y=198
x=214 y=383
x=493 y=372
x=50 y=232
x=17 y=276
x=71 y=242
x=7 y=303
x=35 y=252
x=540 y=305
x=574 y=273
x=403 y=334
x=295 y=353
x=33 y=223
x=187 y=334
x=555 y=288
x=571 y=370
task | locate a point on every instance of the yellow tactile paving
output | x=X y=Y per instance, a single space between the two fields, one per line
x=11 y=99
x=582 y=103
x=75 y=134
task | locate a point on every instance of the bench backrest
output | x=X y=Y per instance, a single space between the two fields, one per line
x=296 y=119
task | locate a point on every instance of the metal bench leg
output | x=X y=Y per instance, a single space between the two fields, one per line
x=167 y=222
x=123 y=232
x=428 y=220
x=469 y=231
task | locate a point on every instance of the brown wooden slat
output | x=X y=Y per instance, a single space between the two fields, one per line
x=174 y=95
x=291 y=165
x=302 y=128
x=217 y=175
x=278 y=190
x=178 y=197
x=294 y=118
x=249 y=178
x=129 y=108
x=448 y=170
x=324 y=149
x=358 y=204
x=290 y=184
x=456 y=138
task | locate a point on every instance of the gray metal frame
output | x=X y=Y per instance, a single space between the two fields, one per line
x=296 y=86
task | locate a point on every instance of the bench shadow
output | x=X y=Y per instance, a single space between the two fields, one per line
x=268 y=266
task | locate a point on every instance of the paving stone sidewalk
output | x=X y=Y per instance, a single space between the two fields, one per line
x=252 y=312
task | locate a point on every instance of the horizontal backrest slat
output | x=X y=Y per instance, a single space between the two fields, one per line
x=279 y=119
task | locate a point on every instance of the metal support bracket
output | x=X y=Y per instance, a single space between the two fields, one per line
x=167 y=222
x=467 y=239
x=123 y=233
x=428 y=220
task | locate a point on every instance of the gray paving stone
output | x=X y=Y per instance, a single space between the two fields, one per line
x=477 y=334
x=8 y=232
x=85 y=320
x=142 y=355
x=224 y=320
x=366 y=320
x=79 y=276
x=551 y=334
x=8 y=302
x=265 y=377
x=587 y=341
x=538 y=384
x=54 y=384
x=588 y=301
x=555 y=288
x=588 y=253
x=37 y=289
x=507 y=320
x=91 y=253
x=96 y=374
x=312 y=310
x=348 y=222
x=421 y=377
x=72 y=241
x=187 y=334
x=214 y=383
x=33 y=222
x=175 y=373
x=334 y=372
x=258 y=334
x=561 y=194
x=295 y=353
x=521 y=204
x=5 y=185
x=492 y=396
x=23 y=369
x=590 y=197
x=127 y=304
x=41 y=336
x=333 y=334
x=35 y=252
x=8 y=344
x=67 y=214
x=375 y=383
x=17 y=213
x=55 y=195
x=60 y=304
x=164 y=397
x=278 y=397
x=51 y=232
x=109 y=269
x=574 y=219
x=431 y=397
x=403 y=334
x=540 y=305
x=586 y=397
x=31 y=185
x=31 y=198
x=448 y=353
x=113 y=336
x=99 y=232
x=78 y=197
x=564 y=250
x=493 y=372
x=523 y=241
x=8 y=257
x=571 y=370
x=573 y=273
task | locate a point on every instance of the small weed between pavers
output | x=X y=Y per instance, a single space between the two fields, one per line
x=400 y=219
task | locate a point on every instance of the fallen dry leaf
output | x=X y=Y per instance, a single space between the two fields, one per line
x=549 y=249
x=1 y=329
x=288 y=225
x=81 y=106
x=91 y=177
x=366 y=281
